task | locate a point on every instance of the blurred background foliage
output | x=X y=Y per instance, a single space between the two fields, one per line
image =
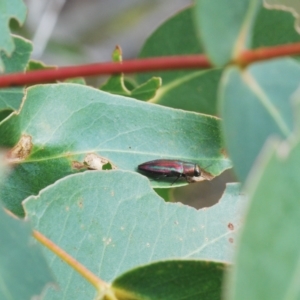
x=66 y=32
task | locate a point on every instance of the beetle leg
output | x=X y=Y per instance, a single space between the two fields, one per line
x=179 y=175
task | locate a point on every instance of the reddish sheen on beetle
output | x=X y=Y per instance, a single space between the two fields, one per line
x=170 y=168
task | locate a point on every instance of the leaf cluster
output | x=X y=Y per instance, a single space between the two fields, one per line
x=70 y=152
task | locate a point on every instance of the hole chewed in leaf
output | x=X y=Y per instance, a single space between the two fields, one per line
x=95 y=162
x=92 y=161
x=21 y=150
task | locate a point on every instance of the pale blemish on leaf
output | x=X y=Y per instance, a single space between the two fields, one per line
x=107 y=241
x=78 y=165
x=224 y=152
x=21 y=150
x=95 y=162
x=92 y=161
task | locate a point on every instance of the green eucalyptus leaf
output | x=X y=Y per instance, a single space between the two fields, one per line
x=17 y=61
x=5 y=113
x=256 y=103
x=59 y=125
x=264 y=34
x=130 y=83
x=188 y=90
x=34 y=65
x=226 y=27
x=267 y=261
x=196 y=90
x=9 y=9
x=145 y=91
x=116 y=83
x=24 y=271
x=10 y=98
x=171 y=280
x=113 y=221
x=77 y=80
x=286 y=5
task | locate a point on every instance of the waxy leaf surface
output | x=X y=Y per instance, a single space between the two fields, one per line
x=291 y=6
x=65 y=122
x=267 y=262
x=172 y=280
x=225 y=27
x=10 y=98
x=9 y=9
x=113 y=221
x=24 y=272
x=146 y=91
x=116 y=84
x=264 y=34
x=255 y=104
x=197 y=90
x=189 y=90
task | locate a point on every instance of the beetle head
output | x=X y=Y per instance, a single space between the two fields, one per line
x=197 y=171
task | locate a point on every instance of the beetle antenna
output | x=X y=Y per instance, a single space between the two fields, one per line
x=208 y=166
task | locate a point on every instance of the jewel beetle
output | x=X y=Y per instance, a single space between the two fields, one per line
x=170 y=168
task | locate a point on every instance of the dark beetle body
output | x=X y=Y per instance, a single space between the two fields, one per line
x=170 y=168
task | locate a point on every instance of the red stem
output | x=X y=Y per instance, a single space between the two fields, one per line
x=129 y=66
x=143 y=65
x=265 y=53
